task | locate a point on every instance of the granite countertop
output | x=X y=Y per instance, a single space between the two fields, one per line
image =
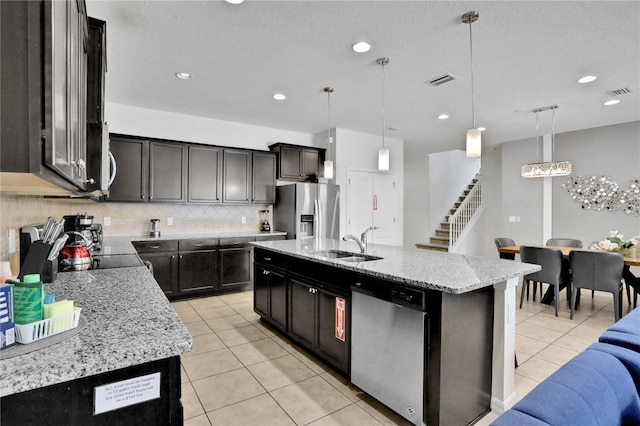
x=129 y=322
x=446 y=272
x=121 y=244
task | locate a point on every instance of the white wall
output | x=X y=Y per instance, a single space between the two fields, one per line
x=611 y=150
x=359 y=151
x=151 y=123
x=416 y=201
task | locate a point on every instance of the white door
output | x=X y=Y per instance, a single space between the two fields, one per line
x=371 y=201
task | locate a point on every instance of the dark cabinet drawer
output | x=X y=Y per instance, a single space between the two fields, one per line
x=269 y=258
x=234 y=242
x=270 y=237
x=155 y=246
x=198 y=244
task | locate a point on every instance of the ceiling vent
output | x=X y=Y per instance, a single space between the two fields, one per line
x=619 y=92
x=437 y=81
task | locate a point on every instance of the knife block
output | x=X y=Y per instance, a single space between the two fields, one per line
x=36 y=263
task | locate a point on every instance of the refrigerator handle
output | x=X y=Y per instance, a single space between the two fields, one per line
x=317 y=220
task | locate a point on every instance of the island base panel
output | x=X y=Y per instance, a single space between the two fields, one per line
x=72 y=403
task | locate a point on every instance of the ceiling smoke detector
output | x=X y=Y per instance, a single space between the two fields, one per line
x=619 y=92
x=437 y=81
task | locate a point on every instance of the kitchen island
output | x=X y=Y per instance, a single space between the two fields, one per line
x=307 y=289
x=132 y=338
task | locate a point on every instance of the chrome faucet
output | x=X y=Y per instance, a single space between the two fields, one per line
x=362 y=241
x=348 y=237
x=363 y=236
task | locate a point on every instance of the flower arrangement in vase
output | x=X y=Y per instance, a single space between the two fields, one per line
x=615 y=242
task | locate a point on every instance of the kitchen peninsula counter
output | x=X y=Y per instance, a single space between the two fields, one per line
x=129 y=325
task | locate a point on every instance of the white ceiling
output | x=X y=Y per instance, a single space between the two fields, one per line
x=527 y=54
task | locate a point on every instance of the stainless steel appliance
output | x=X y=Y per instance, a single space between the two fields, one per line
x=83 y=225
x=384 y=317
x=308 y=210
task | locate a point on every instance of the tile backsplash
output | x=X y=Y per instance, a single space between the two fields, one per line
x=126 y=218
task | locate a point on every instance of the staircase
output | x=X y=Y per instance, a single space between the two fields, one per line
x=463 y=209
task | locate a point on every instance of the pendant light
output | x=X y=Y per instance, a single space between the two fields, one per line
x=383 y=153
x=546 y=168
x=328 y=164
x=474 y=136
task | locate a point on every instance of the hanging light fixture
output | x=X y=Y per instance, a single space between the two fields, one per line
x=546 y=168
x=383 y=153
x=328 y=164
x=474 y=136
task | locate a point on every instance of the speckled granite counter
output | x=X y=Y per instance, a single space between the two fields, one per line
x=121 y=244
x=446 y=272
x=129 y=322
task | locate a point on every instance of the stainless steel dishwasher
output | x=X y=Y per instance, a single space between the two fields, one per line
x=388 y=344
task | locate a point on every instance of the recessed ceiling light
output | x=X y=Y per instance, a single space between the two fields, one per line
x=361 y=47
x=482 y=129
x=612 y=102
x=183 y=75
x=234 y=1
x=587 y=79
x=443 y=116
x=279 y=97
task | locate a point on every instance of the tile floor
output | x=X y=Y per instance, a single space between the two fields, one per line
x=241 y=373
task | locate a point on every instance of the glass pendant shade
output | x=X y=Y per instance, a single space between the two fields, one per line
x=328 y=169
x=547 y=169
x=474 y=143
x=383 y=159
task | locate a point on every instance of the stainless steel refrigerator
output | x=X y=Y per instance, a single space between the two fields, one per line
x=308 y=210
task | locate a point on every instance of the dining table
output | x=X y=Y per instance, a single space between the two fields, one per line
x=629 y=278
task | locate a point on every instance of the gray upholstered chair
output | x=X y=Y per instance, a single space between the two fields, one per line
x=551 y=261
x=564 y=242
x=600 y=271
x=505 y=242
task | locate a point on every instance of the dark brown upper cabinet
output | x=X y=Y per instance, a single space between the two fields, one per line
x=236 y=187
x=132 y=169
x=299 y=163
x=167 y=171
x=264 y=178
x=205 y=175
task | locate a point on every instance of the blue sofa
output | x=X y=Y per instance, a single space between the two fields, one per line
x=600 y=386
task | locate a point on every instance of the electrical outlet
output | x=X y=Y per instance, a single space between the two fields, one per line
x=512 y=219
x=517 y=219
x=243 y=219
x=12 y=241
x=107 y=221
x=169 y=221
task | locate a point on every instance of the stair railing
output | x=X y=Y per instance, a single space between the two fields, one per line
x=462 y=216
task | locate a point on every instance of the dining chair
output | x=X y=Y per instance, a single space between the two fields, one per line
x=505 y=242
x=564 y=242
x=597 y=271
x=550 y=260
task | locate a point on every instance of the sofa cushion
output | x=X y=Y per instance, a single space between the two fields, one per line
x=622 y=339
x=629 y=358
x=594 y=388
x=514 y=417
x=630 y=323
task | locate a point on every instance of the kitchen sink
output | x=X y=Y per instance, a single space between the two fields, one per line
x=346 y=256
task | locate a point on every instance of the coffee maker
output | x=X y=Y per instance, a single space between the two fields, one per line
x=83 y=224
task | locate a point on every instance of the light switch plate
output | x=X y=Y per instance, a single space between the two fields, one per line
x=12 y=241
x=243 y=219
x=512 y=219
x=169 y=221
x=107 y=221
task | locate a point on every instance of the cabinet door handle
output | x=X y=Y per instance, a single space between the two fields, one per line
x=198 y=244
x=154 y=247
x=265 y=272
x=267 y=259
x=313 y=290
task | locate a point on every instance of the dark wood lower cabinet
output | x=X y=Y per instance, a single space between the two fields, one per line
x=270 y=294
x=302 y=312
x=197 y=271
x=165 y=270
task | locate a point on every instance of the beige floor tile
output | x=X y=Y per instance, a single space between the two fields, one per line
x=205 y=343
x=206 y=302
x=574 y=343
x=310 y=400
x=238 y=336
x=531 y=307
x=522 y=357
x=210 y=363
x=351 y=415
x=230 y=299
x=536 y=332
x=266 y=328
x=381 y=412
x=258 y=351
x=343 y=385
x=182 y=306
x=280 y=372
x=522 y=315
x=216 y=312
x=198 y=328
x=556 y=354
x=586 y=332
x=227 y=323
x=487 y=419
x=537 y=369
x=190 y=402
x=226 y=389
x=528 y=346
x=523 y=385
x=201 y=420
x=310 y=361
x=258 y=411
x=551 y=322
x=189 y=316
x=183 y=375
